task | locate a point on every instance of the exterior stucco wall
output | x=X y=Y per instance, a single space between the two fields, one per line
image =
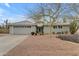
x=11 y=30
x=33 y=29
x=64 y=29
x=28 y=31
x=46 y=29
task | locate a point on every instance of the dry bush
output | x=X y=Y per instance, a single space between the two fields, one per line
x=3 y=30
x=72 y=38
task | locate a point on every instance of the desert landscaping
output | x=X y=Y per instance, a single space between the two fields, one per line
x=42 y=45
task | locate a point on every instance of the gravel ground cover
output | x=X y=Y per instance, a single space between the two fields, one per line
x=44 y=46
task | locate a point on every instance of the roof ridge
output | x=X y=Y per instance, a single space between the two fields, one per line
x=24 y=21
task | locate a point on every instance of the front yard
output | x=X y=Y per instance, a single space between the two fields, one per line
x=44 y=46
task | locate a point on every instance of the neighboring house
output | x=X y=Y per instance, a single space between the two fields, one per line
x=26 y=27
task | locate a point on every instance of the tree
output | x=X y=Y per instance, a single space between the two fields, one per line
x=73 y=27
x=6 y=23
x=75 y=8
x=51 y=10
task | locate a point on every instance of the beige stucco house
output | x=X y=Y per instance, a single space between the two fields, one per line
x=26 y=27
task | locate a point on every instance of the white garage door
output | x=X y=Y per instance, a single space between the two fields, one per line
x=22 y=30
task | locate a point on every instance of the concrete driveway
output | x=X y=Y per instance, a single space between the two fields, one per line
x=7 y=42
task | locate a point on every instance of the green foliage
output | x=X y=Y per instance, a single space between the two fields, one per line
x=73 y=27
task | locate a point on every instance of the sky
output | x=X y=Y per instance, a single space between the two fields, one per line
x=14 y=12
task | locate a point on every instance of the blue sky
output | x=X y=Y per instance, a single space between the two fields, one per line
x=14 y=11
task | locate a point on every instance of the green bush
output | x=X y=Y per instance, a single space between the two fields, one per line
x=73 y=27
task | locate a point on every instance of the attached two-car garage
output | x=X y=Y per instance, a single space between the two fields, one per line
x=22 y=30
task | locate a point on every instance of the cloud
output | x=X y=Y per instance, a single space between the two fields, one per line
x=2 y=11
x=3 y=15
x=15 y=18
x=12 y=18
x=7 y=4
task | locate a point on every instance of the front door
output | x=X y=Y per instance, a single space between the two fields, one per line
x=39 y=30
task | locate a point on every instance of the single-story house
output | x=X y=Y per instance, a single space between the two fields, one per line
x=26 y=27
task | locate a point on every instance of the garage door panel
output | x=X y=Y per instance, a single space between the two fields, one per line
x=22 y=30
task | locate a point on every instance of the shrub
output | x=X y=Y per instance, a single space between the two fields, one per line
x=4 y=30
x=35 y=33
x=73 y=27
x=72 y=38
x=32 y=33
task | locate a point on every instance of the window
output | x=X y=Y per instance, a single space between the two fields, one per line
x=59 y=26
x=23 y=26
x=59 y=32
x=28 y=26
x=19 y=26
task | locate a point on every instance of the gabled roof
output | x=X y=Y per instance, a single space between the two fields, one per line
x=27 y=23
